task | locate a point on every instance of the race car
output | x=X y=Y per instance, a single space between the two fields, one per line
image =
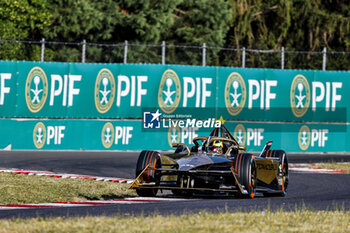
x=215 y=164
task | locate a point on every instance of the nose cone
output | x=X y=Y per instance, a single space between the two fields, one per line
x=193 y=161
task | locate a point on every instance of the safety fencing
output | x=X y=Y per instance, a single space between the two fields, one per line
x=107 y=106
x=169 y=53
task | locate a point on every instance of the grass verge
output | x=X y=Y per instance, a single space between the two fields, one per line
x=333 y=165
x=17 y=188
x=296 y=221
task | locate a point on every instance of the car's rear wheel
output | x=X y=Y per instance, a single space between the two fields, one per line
x=245 y=167
x=152 y=160
x=283 y=175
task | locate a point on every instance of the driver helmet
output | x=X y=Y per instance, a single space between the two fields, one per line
x=217 y=147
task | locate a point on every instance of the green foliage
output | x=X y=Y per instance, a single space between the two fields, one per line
x=75 y=20
x=22 y=20
x=198 y=22
x=144 y=22
x=109 y=22
x=297 y=25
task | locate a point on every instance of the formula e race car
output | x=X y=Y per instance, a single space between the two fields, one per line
x=215 y=164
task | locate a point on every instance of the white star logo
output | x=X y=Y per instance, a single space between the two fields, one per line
x=156 y=115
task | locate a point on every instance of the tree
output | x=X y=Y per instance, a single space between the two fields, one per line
x=297 y=25
x=198 y=22
x=76 y=20
x=145 y=22
x=22 y=20
x=107 y=21
x=317 y=24
x=301 y=25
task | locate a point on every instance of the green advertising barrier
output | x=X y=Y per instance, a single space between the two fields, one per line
x=114 y=91
x=130 y=135
x=74 y=106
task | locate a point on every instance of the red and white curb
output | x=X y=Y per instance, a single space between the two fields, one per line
x=64 y=175
x=132 y=200
x=305 y=167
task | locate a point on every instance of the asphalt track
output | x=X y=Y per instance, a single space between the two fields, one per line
x=306 y=190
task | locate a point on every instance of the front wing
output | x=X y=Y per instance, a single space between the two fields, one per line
x=184 y=183
x=267 y=175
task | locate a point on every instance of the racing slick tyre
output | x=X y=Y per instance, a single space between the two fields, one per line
x=245 y=167
x=282 y=171
x=151 y=159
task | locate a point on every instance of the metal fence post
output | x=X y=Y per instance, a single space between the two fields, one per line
x=324 y=58
x=243 y=57
x=163 y=52
x=83 y=52
x=204 y=54
x=125 y=52
x=42 y=49
x=282 y=58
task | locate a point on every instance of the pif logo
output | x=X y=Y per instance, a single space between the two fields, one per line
x=174 y=135
x=248 y=136
x=116 y=135
x=304 y=137
x=36 y=89
x=299 y=96
x=169 y=92
x=240 y=134
x=39 y=135
x=108 y=134
x=313 y=137
x=47 y=135
x=104 y=90
x=235 y=93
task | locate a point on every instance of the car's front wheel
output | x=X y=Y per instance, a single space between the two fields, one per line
x=152 y=160
x=245 y=168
